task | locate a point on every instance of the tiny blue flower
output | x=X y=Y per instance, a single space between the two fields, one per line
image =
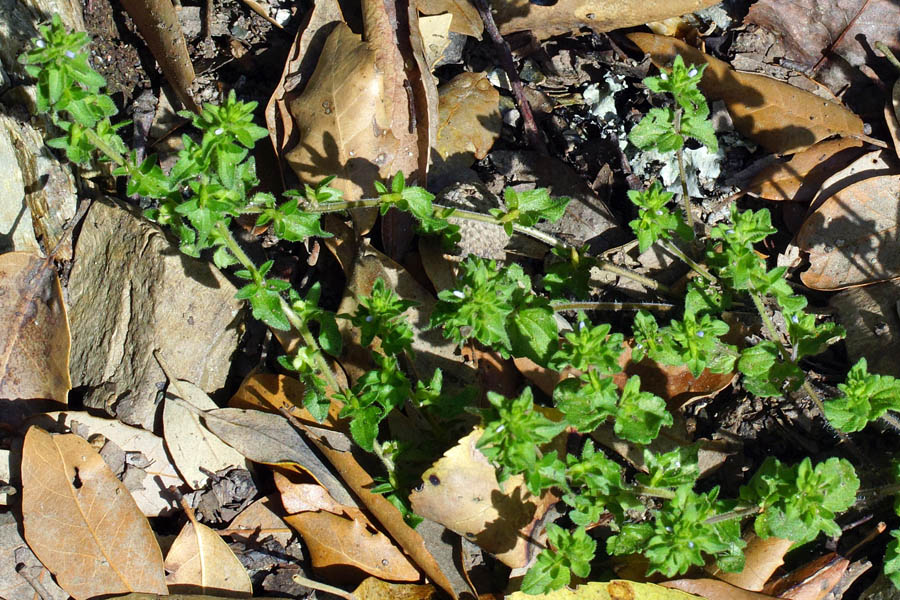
x=659 y=212
x=70 y=54
x=368 y=318
x=701 y=333
x=690 y=544
x=664 y=76
x=40 y=44
x=219 y=131
x=795 y=319
x=692 y=73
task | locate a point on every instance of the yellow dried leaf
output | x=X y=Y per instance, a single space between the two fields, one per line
x=200 y=562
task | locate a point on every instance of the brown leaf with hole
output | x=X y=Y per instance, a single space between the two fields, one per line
x=71 y=500
x=779 y=117
x=466 y=19
x=852 y=238
x=200 y=562
x=799 y=178
x=460 y=491
x=469 y=119
x=713 y=589
x=762 y=557
x=375 y=589
x=158 y=24
x=336 y=541
x=34 y=342
x=568 y=16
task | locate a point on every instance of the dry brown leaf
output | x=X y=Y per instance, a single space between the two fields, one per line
x=713 y=589
x=152 y=498
x=619 y=589
x=469 y=119
x=15 y=554
x=805 y=171
x=466 y=19
x=435 y=30
x=363 y=114
x=304 y=497
x=159 y=26
x=762 y=557
x=460 y=491
x=777 y=116
x=200 y=562
x=813 y=581
x=261 y=520
x=852 y=238
x=70 y=499
x=375 y=589
x=336 y=541
x=34 y=342
x=568 y=16
x=270 y=439
x=389 y=517
x=869 y=315
x=190 y=444
x=836 y=35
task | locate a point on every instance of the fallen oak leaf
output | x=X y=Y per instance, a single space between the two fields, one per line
x=713 y=589
x=70 y=499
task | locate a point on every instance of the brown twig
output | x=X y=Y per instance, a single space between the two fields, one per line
x=834 y=44
x=531 y=131
x=23 y=570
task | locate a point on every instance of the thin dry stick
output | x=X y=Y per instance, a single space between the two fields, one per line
x=531 y=131
x=323 y=587
x=23 y=570
x=834 y=44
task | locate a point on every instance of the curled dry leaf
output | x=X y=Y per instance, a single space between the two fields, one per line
x=466 y=19
x=568 y=16
x=192 y=445
x=337 y=542
x=852 y=238
x=469 y=119
x=70 y=499
x=799 y=178
x=200 y=562
x=34 y=338
x=611 y=590
x=270 y=439
x=813 y=581
x=261 y=520
x=779 y=117
x=158 y=473
x=460 y=491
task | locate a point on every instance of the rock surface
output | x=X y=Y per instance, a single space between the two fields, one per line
x=132 y=292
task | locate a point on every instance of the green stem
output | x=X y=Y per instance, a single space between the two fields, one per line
x=343 y=205
x=105 y=148
x=656 y=492
x=236 y=250
x=679 y=154
x=738 y=513
x=308 y=339
x=563 y=306
x=689 y=261
x=888 y=54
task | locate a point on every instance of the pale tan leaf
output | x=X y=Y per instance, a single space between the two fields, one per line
x=566 y=16
x=270 y=439
x=34 y=337
x=852 y=238
x=72 y=501
x=466 y=19
x=304 y=497
x=761 y=558
x=376 y=589
x=261 y=520
x=779 y=117
x=460 y=491
x=200 y=562
x=435 y=30
x=813 y=581
x=470 y=120
x=153 y=499
x=338 y=541
x=192 y=445
x=611 y=590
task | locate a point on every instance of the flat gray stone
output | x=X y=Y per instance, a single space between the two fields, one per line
x=132 y=292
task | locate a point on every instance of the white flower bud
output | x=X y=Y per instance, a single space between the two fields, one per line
x=458 y=294
x=219 y=131
x=70 y=54
x=664 y=76
x=40 y=44
x=692 y=72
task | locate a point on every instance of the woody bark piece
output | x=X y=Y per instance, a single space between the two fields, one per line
x=158 y=23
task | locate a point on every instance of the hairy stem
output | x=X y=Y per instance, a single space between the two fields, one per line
x=669 y=246
x=679 y=154
x=308 y=339
x=105 y=148
x=563 y=306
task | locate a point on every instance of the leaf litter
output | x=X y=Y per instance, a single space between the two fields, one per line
x=372 y=65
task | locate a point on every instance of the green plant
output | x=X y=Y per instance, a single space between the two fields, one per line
x=213 y=182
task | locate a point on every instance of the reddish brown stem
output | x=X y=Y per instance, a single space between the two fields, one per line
x=531 y=131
